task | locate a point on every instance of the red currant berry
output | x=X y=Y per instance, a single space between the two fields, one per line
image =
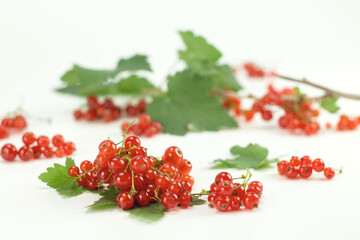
x=139 y=165
x=267 y=115
x=186 y=185
x=78 y=114
x=222 y=176
x=116 y=164
x=104 y=175
x=151 y=175
x=48 y=152
x=58 y=140
x=132 y=111
x=169 y=200
x=4 y=132
x=125 y=126
x=175 y=187
x=212 y=197
x=173 y=155
x=139 y=182
x=239 y=190
x=306 y=160
x=37 y=151
x=69 y=148
x=92 y=184
x=107 y=148
x=26 y=153
x=295 y=161
x=139 y=151
x=226 y=188
x=185 y=199
x=254 y=189
x=102 y=161
x=122 y=180
x=305 y=171
x=281 y=166
x=188 y=178
x=142 y=198
x=185 y=167
x=213 y=187
x=144 y=121
x=73 y=171
x=171 y=170
x=162 y=181
x=318 y=165
x=291 y=171
x=86 y=166
x=43 y=141
x=150 y=190
x=82 y=182
x=125 y=200
x=235 y=203
x=131 y=141
x=59 y=152
x=251 y=200
x=8 y=152
x=151 y=161
x=19 y=122
x=329 y=173
x=28 y=138
x=222 y=203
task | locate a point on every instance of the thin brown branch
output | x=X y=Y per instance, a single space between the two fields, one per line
x=328 y=91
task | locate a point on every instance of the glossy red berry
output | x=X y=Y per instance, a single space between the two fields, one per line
x=222 y=176
x=295 y=161
x=142 y=198
x=116 y=164
x=175 y=187
x=185 y=199
x=86 y=166
x=212 y=197
x=256 y=184
x=185 y=167
x=186 y=185
x=43 y=141
x=251 y=200
x=267 y=115
x=59 y=152
x=36 y=151
x=291 y=171
x=102 y=161
x=139 y=151
x=69 y=148
x=104 y=175
x=58 y=140
x=188 y=178
x=222 y=203
x=82 y=182
x=107 y=148
x=239 y=190
x=125 y=200
x=162 y=181
x=169 y=200
x=122 y=180
x=74 y=171
x=281 y=166
x=318 y=165
x=8 y=152
x=131 y=141
x=139 y=164
x=139 y=182
x=28 y=138
x=48 y=152
x=173 y=155
x=306 y=160
x=235 y=203
x=305 y=171
x=78 y=114
x=226 y=188
x=329 y=173
x=144 y=121
x=170 y=170
x=151 y=175
x=254 y=189
x=25 y=153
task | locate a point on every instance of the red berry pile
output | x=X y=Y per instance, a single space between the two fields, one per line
x=304 y=167
x=12 y=123
x=36 y=146
x=347 y=123
x=254 y=71
x=142 y=178
x=106 y=111
x=146 y=126
x=225 y=195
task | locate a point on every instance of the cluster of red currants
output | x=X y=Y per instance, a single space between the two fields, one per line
x=107 y=111
x=12 y=123
x=226 y=195
x=304 y=167
x=145 y=126
x=346 y=123
x=254 y=71
x=28 y=152
x=139 y=177
x=232 y=104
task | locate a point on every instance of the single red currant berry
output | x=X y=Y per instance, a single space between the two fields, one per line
x=73 y=171
x=185 y=167
x=122 y=180
x=125 y=200
x=212 y=197
x=4 y=132
x=281 y=166
x=175 y=187
x=185 y=199
x=251 y=200
x=131 y=141
x=235 y=203
x=139 y=182
x=92 y=184
x=59 y=152
x=78 y=114
x=170 y=170
x=7 y=122
x=169 y=200
x=107 y=148
x=318 y=165
x=141 y=106
x=329 y=173
x=142 y=198
x=239 y=190
x=151 y=175
x=94 y=175
x=19 y=122
x=222 y=176
x=188 y=178
x=151 y=161
x=295 y=161
x=144 y=121
x=8 y=152
x=162 y=181
x=58 y=140
x=267 y=115
x=43 y=141
x=254 y=189
x=82 y=182
x=173 y=155
x=139 y=151
x=37 y=151
x=26 y=153
x=139 y=165
x=150 y=190
x=132 y=111
x=226 y=188
x=116 y=164
x=306 y=160
x=86 y=166
x=222 y=203
x=102 y=161
x=305 y=171
x=291 y=171
x=256 y=184
x=28 y=138
x=104 y=175
x=69 y=148
x=186 y=185
x=48 y=152
x=213 y=187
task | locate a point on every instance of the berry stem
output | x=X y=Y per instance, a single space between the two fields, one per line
x=199 y=194
x=339 y=170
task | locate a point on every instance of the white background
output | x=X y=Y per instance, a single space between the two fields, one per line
x=39 y=40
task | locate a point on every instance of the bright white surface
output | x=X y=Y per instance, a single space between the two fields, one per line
x=39 y=40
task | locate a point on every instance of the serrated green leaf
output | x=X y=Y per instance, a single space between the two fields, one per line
x=329 y=104
x=189 y=106
x=134 y=85
x=107 y=200
x=135 y=63
x=149 y=213
x=57 y=177
x=251 y=156
x=226 y=78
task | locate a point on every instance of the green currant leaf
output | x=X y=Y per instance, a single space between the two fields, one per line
x=107 y=200
x=134 y=85
x=57 y=177
x=190 y=106
x=329 y=104
x=149 y=213
x=195 y=200
x=135 y=63
x=251 y=156
x=225 y=78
